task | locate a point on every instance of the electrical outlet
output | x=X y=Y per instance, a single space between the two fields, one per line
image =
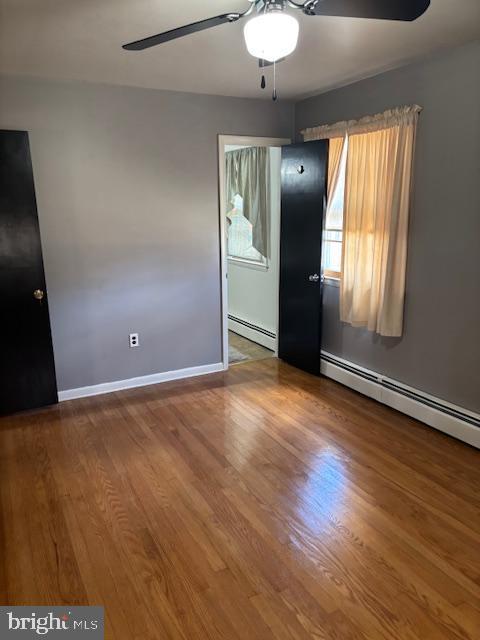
x=134 y=341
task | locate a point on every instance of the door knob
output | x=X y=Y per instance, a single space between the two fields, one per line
x=314 y=277
x=38 y=294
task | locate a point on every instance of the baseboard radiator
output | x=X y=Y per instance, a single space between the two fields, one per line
x=253 y=332
x=435 y=412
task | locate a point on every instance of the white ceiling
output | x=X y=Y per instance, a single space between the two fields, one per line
x=81 y=40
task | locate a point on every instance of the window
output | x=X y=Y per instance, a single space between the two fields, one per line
x=333 y=231
x=240 y=236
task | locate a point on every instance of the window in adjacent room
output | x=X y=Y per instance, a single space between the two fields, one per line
x=333 y=231
x=240 y=236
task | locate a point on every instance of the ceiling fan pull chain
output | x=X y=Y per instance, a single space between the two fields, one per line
x=274 y=94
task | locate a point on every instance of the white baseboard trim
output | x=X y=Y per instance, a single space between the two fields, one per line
x=142 y=381
x=435 y=412
x=253 y=332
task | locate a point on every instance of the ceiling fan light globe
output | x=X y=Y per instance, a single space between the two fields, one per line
x=271 y=36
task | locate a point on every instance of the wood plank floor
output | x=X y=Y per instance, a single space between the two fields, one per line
x=248 y=349
x=259 y=504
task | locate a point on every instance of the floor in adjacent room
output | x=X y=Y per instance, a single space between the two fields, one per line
x=242 y=349
x=260 y=503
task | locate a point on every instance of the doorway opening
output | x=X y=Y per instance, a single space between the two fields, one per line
x=249 y=178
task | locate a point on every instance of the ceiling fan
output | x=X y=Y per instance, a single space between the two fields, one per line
x=272 y=34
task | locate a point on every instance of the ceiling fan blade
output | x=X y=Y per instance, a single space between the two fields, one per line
x=406 y=10
x=186 y=30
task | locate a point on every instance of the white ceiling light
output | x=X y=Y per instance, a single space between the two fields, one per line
x=271 y=36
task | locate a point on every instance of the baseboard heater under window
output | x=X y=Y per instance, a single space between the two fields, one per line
x=452 y=419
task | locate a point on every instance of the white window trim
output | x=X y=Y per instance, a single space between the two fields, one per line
x=331 y=282
x=249 y=264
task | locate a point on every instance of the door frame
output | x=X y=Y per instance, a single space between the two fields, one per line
x=251 y=141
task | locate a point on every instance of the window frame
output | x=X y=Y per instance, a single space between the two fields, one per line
x=332 y=274
x=261 y=264
x=249 y=263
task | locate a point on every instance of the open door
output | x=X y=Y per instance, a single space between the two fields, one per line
x=304 y=184
x=27 y=371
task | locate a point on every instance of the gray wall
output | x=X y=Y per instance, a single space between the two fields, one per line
x=440 y=350
x=126 y=183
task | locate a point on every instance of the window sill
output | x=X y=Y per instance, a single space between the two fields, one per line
x=249 y=264
x=331 y=282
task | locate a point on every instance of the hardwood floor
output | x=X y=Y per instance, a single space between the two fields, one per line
x=244 y=349
x=259 y=504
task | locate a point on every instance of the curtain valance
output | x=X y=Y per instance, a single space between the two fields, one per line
x=391 y=118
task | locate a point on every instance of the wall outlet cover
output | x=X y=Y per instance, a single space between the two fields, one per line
x=133 y=340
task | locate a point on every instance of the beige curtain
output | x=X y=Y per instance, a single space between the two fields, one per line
x=248 y=175
x=375 y=221
x=335 y=149
x=376 y=209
